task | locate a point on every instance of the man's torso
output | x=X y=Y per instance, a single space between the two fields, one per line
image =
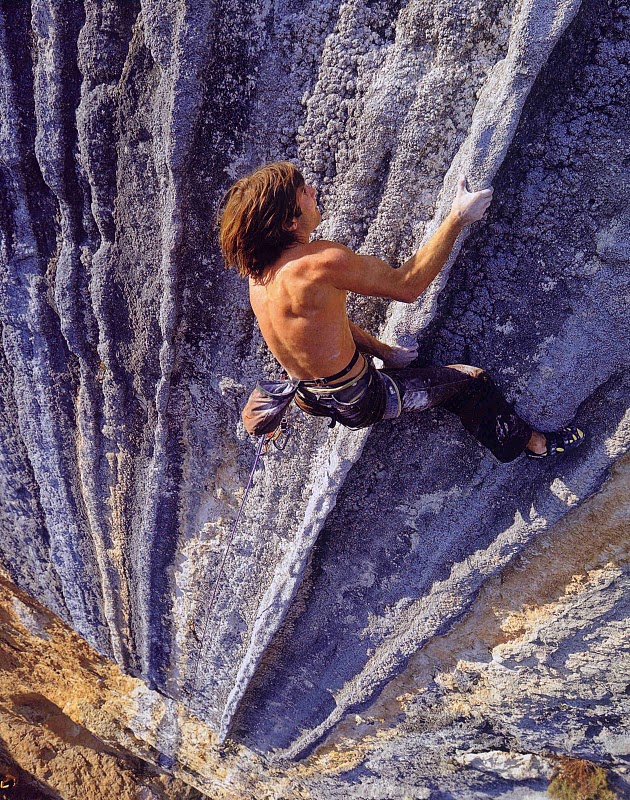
x=302 y=315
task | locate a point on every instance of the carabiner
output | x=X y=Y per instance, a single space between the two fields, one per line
x=279 y=438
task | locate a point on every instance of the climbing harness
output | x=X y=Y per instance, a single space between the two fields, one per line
x=278 y=438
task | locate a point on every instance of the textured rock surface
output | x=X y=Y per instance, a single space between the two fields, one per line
x=127 y=352
x=536 y=668
x=72 y=723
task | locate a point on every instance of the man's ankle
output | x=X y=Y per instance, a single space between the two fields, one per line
x=537 y=443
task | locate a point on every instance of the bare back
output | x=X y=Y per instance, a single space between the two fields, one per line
x=302 y=315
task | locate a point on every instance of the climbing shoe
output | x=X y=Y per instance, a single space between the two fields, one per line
x=560 y=441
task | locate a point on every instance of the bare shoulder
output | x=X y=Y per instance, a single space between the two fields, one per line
x=328 y=257
x=332 y=264
x=333 y=251
x=340 y=266
x=317 y=262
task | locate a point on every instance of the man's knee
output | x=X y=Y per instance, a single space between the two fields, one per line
x=473 y=372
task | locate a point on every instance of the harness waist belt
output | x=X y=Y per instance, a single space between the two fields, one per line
x=319 y=389
x=324 y=382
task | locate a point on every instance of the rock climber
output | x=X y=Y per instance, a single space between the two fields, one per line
x=298 y=289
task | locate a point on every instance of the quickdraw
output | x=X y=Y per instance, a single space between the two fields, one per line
x=278 y=439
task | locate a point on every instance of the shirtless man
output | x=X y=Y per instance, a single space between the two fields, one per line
x=298 y=291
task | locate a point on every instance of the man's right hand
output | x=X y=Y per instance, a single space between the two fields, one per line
x=470 y=207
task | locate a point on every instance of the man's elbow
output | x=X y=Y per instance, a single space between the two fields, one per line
x=402 y=289
x=404 y=294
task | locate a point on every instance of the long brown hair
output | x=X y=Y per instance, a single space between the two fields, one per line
x=254 y=214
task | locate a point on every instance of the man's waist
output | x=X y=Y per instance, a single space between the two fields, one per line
x=333 y=383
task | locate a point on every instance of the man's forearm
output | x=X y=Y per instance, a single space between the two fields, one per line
x=419 y=270
x=368 y=344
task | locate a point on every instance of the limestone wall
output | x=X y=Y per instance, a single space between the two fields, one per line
x=127 y=350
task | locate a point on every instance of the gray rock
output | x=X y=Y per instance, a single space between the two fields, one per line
x=127 y=352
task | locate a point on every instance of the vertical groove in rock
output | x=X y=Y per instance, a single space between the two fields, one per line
x=25 y=540
x=36 y=349
x=176 y=107
x=111 y=136
x=107 y=448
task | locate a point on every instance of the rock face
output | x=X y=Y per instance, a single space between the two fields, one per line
x=128 y=351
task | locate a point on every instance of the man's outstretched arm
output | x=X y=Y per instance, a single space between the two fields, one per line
x=418 y=272
x=371 y=276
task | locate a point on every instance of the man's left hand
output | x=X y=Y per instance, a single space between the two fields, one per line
x=398 y=356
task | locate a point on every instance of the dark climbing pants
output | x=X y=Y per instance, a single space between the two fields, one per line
x=466 y=391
